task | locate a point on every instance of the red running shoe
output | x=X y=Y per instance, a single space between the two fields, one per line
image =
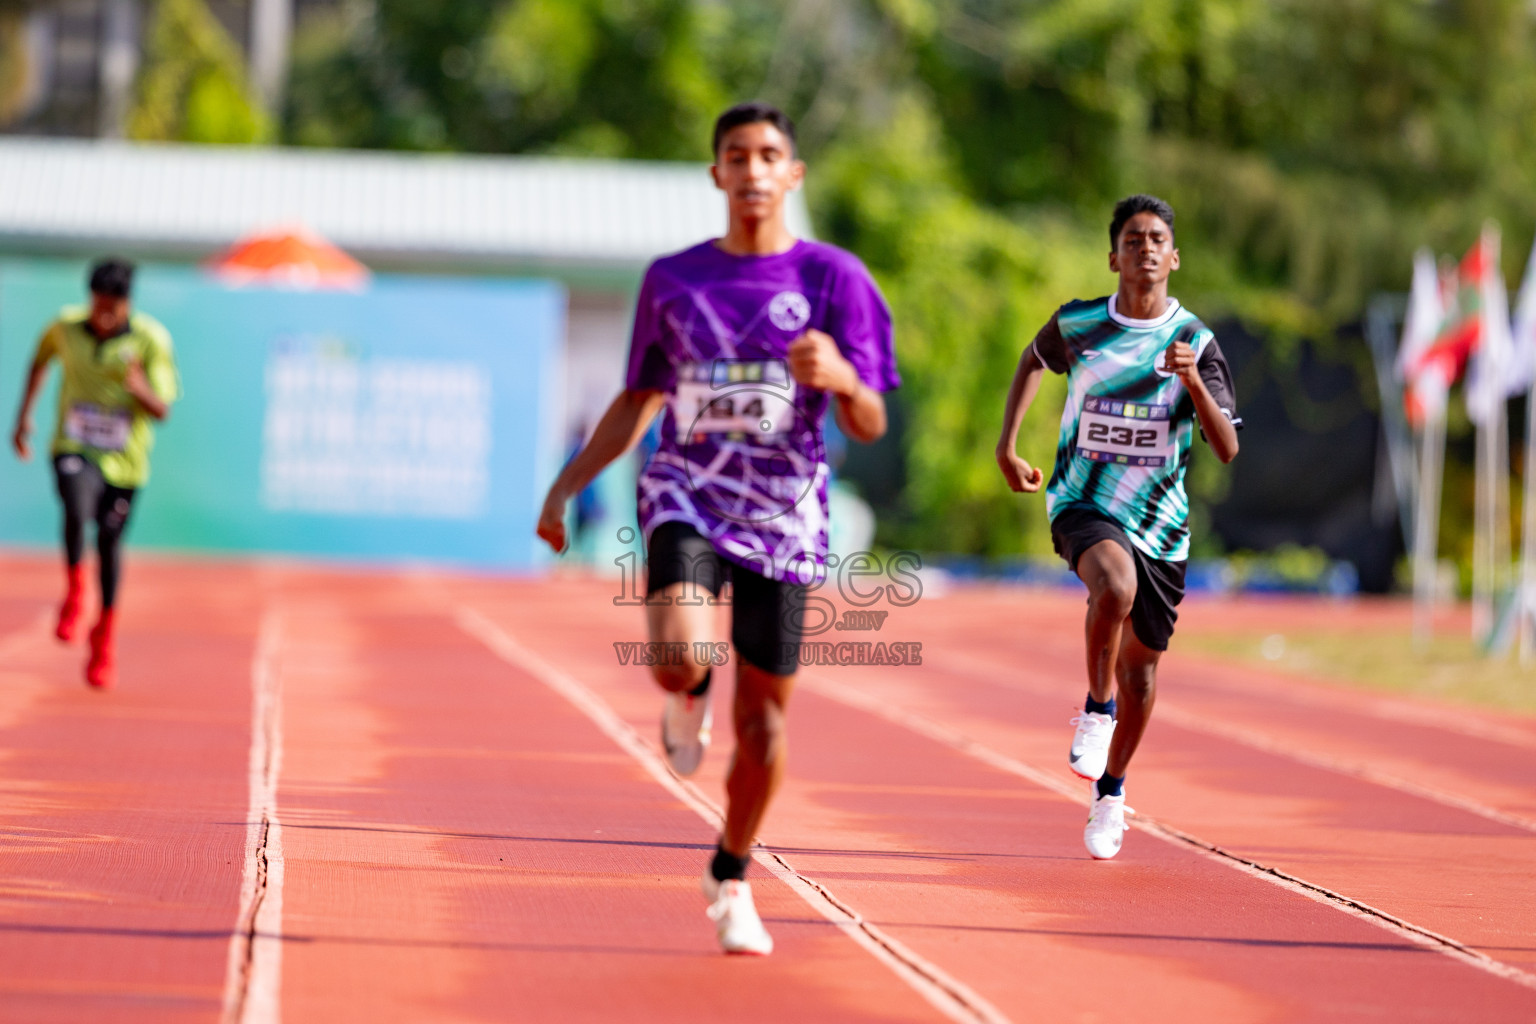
x=69 y=611
x=101 y=669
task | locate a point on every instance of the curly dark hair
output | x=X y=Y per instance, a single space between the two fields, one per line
x=1130 y=206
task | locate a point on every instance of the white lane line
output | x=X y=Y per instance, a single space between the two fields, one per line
x=253 y=978
x=1355 y=701
x=1364 y=772
x=1351 y=698
x=950 y=997
x=1006 y=676
x=955 y=740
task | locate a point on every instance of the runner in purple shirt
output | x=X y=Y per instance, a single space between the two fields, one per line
x=742 y=344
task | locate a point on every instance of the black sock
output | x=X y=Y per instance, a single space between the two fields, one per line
x=1094 y=707
x=702 y=688
x=728 y=865
x=1111 y=785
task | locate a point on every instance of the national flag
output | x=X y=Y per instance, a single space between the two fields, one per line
x=1432 y=367
x=1521 y=372
x=1488 y=369
x=1425 y=386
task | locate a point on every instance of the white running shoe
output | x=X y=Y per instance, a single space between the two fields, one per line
x=1106 y=825
x=1089 y=754
x=737 y=925
x=685 y=724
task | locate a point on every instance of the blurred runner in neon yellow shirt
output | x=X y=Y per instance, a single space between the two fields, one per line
x=118 y=377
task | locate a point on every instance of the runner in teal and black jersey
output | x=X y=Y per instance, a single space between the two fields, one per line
x=1142 y=371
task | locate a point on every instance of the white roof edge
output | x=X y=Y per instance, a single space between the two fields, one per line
x=63 y=195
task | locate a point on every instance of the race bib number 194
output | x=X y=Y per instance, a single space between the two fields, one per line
x=730 y=396
x=1126 y=433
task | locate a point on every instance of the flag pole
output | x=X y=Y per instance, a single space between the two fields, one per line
x=1485 y=404
x=1426 y=521
x=1395 y=430
x=1523 y=379
x=1482 y=537
x=1503 y=564
x=1527 y=592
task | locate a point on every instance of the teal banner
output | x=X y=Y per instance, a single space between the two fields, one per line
x=415 y=421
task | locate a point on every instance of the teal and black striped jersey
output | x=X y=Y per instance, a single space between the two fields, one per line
x=1127 y=425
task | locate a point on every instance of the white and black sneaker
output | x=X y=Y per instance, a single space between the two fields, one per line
x=1089 y=753
x=1106 y=826
x=737 y=925
x=685 y=725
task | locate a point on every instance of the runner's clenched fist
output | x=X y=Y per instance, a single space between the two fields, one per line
x=815 y=362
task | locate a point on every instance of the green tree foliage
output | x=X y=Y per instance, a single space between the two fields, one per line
x=634 y=79
x=968 y=288
x=13 y=57
x=193 y=85
x=1309 y=145
x=969 y=151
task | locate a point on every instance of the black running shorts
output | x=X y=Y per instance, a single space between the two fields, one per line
x=1159 y=584
x=767 y=616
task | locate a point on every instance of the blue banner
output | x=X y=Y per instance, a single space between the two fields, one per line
x=416 y=420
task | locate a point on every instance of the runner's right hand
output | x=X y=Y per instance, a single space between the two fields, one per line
x=1179 y=359
x=552 y=523
x=1021 y=476
x=135 y=382
x=19 y=441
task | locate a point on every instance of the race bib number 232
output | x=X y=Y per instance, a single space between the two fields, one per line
x=1126 y=433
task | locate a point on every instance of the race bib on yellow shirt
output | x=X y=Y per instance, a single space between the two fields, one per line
x=95 y=427
x=1126 y=433
x=733 y=396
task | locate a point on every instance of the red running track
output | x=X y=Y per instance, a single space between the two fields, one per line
x=454 y=812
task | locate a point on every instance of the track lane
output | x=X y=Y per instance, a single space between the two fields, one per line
x=817 y=819
x=1427 y=861
x=462 y=844
x=1469 y=754
x=121 y=824
x=870 y=809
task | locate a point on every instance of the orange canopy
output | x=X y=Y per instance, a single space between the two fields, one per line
x=291 y=258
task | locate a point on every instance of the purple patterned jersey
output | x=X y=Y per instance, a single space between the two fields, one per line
x=741 y=457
